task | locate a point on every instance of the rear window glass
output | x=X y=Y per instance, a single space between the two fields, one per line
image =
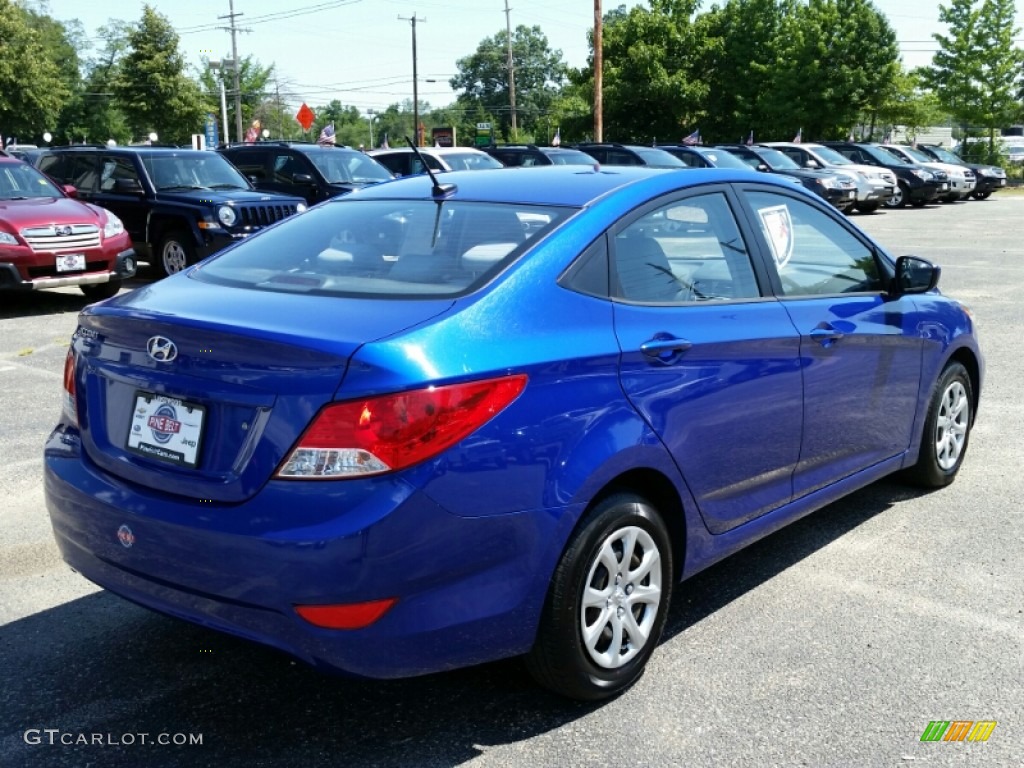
x=382 y=248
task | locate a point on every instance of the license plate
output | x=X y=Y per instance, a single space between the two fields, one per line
x=943 y=187
x=166 y=428
x=71 y=262
x=1002 y=182
x=851 y=194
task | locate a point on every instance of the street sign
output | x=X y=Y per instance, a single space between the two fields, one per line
x=212 y=140
x=305 y=116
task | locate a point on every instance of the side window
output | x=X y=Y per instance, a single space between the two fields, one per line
x=251 y=164
x=688 y=250
x=80 y=171
x=814 y=254
x=286 y=165
x=114 y=168
x=53 y=166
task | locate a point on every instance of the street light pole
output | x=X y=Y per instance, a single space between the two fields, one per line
x=218 y=66
x=370 y=114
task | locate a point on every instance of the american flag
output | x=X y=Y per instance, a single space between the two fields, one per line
x=750 y=138
x=384 y=144
x=692 y=139
x=799 y=136
x=327 y=135
x=556 y=140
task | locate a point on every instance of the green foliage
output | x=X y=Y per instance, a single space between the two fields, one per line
x=484 y=82
x=34 y=85
x=152 y=87
x=906 y=103
x=974 y=73
x=259 y=100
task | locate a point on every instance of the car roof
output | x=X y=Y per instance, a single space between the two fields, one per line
x=571 y=185
x=427 y=150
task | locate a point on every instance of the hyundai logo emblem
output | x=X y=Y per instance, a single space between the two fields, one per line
x=125 y=536
x=161 y=349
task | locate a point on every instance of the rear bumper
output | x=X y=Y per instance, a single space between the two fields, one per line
x=469 y=590
x=12 y=279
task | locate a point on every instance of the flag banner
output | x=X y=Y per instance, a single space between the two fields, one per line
x=384 y=144
x=692 y=139
x=750 y=138
x=327 y=136
x=305 y=116
x=556 y=140
x=799 y=136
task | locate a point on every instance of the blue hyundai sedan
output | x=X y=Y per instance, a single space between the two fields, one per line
x=428 y=425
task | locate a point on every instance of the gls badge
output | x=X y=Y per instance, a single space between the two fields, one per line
x=161 y=349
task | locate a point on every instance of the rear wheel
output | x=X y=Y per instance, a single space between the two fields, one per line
x=175 y=252
x=100 y=291
x=607 y=604
x=899 y=196
x=947 y=429
x=982 y=195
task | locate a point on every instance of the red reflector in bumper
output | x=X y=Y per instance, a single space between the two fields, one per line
x=351 y=616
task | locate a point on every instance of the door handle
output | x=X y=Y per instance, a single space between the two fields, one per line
x=665 y=348
x=826 y=335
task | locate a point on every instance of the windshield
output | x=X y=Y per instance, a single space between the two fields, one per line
x=341 y=167
x=831 y=157
x=569 y=157
x=384 y=248
x=882 y=155
x=469 y=161
x=193 y=170
x=654 y=156
x=917 y=155
x=19 y=181
x=945 y=155
x=722 y=159
x=777 y=160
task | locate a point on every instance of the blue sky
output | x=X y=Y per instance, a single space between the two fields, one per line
x=360 y=51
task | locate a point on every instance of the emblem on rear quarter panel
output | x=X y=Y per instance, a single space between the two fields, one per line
x=125 y=536
x=161 y=349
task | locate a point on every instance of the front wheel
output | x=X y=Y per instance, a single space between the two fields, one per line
x=175 y=252
x=947 y=429
x=899 y=196
x=607 y=603
x=982 y=195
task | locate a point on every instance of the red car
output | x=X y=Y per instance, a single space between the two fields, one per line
x=50 y=240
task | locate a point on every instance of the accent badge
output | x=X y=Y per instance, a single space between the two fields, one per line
x=161 y=349
x=125 y=536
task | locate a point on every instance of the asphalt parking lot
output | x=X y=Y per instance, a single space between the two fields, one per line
x=831 y=643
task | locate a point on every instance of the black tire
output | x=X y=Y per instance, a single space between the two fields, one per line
x=919 y=203
x=947 y=429
x=562 y=659
x=174 y=253
x=100 y=291
x=867 y=207
x=981 y=195
x=899 y=196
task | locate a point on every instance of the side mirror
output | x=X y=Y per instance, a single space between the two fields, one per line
x=762 y=167
x=70 y=190
x=914 y=275
x=128 y=186
x=302 y=178
x=811 y=163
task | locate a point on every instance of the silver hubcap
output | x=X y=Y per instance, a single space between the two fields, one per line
x=951 y=425
x=897 y=197
x=174 y=257
x=621 y=597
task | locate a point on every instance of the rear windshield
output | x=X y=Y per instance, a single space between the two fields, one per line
x=384 y=248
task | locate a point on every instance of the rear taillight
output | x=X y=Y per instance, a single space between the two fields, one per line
x=349 y=616
x=68 y=406
x=392 y=432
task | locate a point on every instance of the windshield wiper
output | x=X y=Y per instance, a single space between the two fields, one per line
x=179 y=186
x=227 y=186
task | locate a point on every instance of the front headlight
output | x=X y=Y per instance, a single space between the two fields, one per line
x=8 y=239
x=830 y=182
x=114 y=225
x=922 y=174
x=985 y=172
x=227 y=216
x=300 y=207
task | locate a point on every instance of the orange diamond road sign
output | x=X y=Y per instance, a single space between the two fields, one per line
x=305 y=116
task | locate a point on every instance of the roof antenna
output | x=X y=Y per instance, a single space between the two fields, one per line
x=439 y=190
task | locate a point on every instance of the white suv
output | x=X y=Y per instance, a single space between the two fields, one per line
x=875 y=185
x=402 y=161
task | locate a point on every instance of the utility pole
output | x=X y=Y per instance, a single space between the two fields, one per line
x=415 y=87
x=598 y=67
x=234 y=55
x=511 y=72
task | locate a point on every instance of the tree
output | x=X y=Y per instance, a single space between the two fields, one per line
x=907 y=103
x=92 y=111
x=836 y=59
x=974 y=71
x=154 y=91
x=484 y=81
x=257 y=98
x=32 y=85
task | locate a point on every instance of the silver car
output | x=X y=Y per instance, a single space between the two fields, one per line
x=875 y=185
